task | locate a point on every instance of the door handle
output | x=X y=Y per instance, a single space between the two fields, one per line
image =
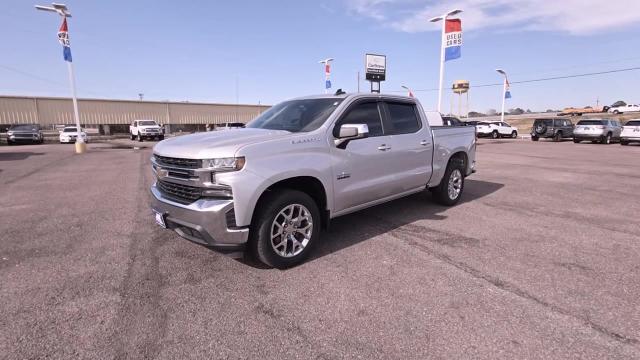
x=424 y=143
x=384 y=147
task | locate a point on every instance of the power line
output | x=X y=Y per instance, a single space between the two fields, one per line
x=540 y=79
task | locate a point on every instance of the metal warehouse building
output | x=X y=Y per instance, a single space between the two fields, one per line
x=49 y=111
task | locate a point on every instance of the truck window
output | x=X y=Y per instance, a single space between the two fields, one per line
x=366 y=113
x=403 y=118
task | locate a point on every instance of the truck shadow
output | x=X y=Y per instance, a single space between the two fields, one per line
x=355 y=228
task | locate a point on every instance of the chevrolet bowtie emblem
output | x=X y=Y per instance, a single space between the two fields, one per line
x=163 y=173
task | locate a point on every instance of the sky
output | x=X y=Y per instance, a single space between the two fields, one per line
x=268 y=51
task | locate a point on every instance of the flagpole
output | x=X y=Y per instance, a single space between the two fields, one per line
x=443 y=18
x=63 y=36
x=504 y=98
x=80 y=145
x=442 y=43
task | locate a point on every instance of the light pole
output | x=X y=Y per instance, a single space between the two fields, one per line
x=63 y=37
x=327 y=73
x=504 y=92
x=442 y=46
x=409 y=91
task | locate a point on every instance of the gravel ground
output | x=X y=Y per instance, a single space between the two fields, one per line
x=540 y=260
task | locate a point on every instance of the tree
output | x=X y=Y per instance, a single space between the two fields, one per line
x=516 y=111
x=528 y=111
x=492 y=112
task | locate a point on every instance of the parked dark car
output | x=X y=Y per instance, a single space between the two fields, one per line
x=556 y=129
x=24 y=133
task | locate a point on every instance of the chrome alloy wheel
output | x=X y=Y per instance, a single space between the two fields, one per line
x=291 y=230
x=455 y=184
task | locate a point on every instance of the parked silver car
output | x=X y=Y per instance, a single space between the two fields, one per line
x=597 y=130
x=630 y=132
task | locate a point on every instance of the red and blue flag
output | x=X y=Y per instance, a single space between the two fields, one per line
x=453 y=39
x=63 y=37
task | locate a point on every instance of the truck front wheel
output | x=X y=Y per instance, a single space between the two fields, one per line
x=286 y=228
x=449 y=190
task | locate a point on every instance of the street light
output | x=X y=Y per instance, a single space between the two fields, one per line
x=443 y=18
x=504 y=91
x=409 y=91
x=63 y=36
x=327 y=73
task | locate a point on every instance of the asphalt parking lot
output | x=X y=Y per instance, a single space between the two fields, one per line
x=540 y=260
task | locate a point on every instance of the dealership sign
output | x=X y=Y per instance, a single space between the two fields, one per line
x=375 y=67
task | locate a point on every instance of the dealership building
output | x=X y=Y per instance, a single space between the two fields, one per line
x=114 y=116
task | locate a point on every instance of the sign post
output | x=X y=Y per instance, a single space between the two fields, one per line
x=376 y=70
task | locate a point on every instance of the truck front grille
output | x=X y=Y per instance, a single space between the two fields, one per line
x=178 y=192
x=178 y=162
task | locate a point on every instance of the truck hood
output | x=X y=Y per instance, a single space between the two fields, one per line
x=214 y=144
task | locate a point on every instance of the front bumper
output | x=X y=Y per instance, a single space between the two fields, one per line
x=208 y=222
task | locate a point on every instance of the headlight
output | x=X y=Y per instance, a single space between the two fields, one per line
x=9 y=133
x=224 y=164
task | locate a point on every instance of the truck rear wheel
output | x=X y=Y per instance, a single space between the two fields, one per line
x=285 y=229
x=449 y=190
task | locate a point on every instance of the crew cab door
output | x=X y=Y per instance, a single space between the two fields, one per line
x=360 y=170
x=411 y=146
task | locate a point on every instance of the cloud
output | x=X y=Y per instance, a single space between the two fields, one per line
x=577 y=17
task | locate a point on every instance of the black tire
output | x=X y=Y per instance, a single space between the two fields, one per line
x=514 y=134
x=161 y=137
x=267 y=211
x=616 y=112
x=133 y=137
x=10 y=143
x=576 y=140
x=139 y=137
x=535 y=138
x=441 y=192
x=494 y=134
x=624 y=142
x=606 y=139
x=557 y=137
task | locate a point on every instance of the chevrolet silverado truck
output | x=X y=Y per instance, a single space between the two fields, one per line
x=268 y=189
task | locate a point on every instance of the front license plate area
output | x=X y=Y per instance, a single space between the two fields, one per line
x=160 y=219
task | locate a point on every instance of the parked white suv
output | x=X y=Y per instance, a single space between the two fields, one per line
x=496 y=129
x=624 y=109
x=149 y=129
x=597 y=130
x=630 y=132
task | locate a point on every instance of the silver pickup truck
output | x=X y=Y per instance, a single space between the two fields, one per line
x=269 y=188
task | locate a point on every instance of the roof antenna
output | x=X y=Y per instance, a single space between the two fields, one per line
x=340 y=92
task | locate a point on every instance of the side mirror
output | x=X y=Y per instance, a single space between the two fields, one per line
x=350 y=132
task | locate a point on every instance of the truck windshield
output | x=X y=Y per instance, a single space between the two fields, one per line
x=633 y=123
x=296 y=115
x=547 y=122
x=69 y=129
x=23 y=128
x=147 y=123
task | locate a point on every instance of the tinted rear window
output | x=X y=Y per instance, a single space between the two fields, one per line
x=403 y=117
x=547 y=122
x=591 y=122
x=633 y=123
